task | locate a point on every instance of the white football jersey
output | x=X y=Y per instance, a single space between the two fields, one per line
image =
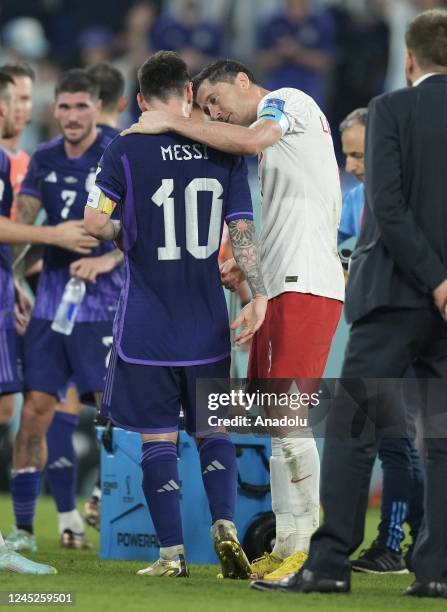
x=301 y=200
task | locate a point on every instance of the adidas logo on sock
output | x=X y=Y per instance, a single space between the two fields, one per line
x=169 y=486
x=62 y=462
x=213 y=466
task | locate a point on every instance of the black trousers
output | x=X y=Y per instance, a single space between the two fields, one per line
x=367 y=407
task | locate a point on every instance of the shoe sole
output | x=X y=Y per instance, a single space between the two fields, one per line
x=259 y=587
x=328 y=589
x=233 y=560
x=27 y=573
x=167 y=574
x=267 y=579
x=184 y=573
x=363 y=570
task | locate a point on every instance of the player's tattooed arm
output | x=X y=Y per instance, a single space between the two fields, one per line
x=28 y=207
x=246 y=253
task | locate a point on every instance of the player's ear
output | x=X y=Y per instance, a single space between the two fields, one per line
x=141 y=103
x=242 y=80
x=189 y=94
x=98 y=105
x=122 y=103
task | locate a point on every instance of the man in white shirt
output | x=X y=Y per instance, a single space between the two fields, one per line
x=301 y=204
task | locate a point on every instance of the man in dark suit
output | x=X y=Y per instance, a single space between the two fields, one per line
x=397 y=304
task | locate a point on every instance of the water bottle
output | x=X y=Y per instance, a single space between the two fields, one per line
x=67 y=310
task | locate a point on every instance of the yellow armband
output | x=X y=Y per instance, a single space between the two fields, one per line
x=98 y=200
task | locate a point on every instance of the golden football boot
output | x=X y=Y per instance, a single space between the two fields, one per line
x=232 y=558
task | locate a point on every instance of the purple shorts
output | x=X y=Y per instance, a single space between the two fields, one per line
x=147 y=399
x=51 y=359
x=11 y=379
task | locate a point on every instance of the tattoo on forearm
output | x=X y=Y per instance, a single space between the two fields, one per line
x=27 y=208
x=246 y=253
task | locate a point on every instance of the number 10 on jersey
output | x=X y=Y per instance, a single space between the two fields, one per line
x=164 y=197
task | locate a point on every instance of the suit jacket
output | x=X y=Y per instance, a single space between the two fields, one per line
x=401 y=253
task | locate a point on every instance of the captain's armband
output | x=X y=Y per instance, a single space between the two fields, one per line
x=98 y=200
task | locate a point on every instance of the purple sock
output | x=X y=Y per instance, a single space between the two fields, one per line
x=25 y=489
x=62 y=465
x=219 y=474
x=162 y=490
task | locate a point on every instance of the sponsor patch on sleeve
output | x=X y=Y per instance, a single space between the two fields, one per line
x=273 y=109
x=274 y=103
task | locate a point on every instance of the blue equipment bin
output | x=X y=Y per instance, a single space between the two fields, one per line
x=127 y=531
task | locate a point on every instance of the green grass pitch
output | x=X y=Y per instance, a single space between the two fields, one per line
x=112 y=586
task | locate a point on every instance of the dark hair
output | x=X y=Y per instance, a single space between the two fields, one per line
x=221 y=71
x=163 y=75
x=426 y=38
x=5 y=80
x=75 y=80
x=19 y=70
x=111 y=84
x=358 y=116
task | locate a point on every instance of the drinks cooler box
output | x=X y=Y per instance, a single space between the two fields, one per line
x=127 y=531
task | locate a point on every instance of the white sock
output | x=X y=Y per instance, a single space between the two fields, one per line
x=2 y=541
x=303 y=468
x=168 y=553
x=279 y=483
x=70 y=520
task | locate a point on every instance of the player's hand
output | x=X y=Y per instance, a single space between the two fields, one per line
x=231 y=275
x=251 y=318
x=89 y=268
x=150 y=122
x=72 y=236
x=440 y=299
x=22 y=309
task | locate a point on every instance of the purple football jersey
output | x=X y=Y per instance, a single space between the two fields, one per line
x=62 y=184
x=174 y=195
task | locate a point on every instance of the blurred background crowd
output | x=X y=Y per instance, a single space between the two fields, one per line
x=341 y=52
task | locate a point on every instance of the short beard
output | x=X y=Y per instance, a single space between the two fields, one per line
x=88 y=130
